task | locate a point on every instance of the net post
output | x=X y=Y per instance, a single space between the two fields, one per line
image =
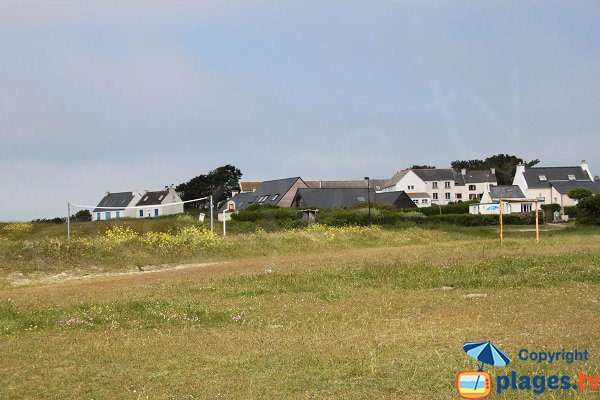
x=212 y=223
x=501 y=238
x=68 y=221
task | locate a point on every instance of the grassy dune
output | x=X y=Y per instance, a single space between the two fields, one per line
x=343 y=314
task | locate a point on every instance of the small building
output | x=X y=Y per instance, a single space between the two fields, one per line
x=114 y=205
x=348 y=198
x=560 y=190
x=490 y=201
x=278 y=192
x=421 y=199
x=159 y=203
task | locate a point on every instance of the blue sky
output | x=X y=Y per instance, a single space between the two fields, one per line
x=136 y=95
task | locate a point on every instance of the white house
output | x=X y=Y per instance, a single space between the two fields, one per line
x=156 y=204
x=490 y=201
x=552 y=183
x=113 y=205
x=443 y=185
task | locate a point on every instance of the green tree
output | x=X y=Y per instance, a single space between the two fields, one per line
x=588 y=210
x=82 y=216
x=219 y=183
x=505 y=165
x=423 y=167
x=580 y=193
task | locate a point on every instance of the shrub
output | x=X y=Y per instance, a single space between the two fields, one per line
x=588 y=210
x=571 y=211
x=18 y=227
x=551 y=207
x=461 y=207
x=580 y=193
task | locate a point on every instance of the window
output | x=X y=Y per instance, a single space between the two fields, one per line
x=571 y=177
x=447 y=184
x=526 y=207
x=156 y=212
x=360 y=198
x=472 y=196
x=472 y=187
x=542 y=178
x=411 y=187
x=459 y=195
x=416 y=201
x=274 y=197
x=434 y=185
x=447 y=196
x=231 y=206
x=98 y=217
x=160 y=197
x=424 y=201
x=435 y=196
x=253 y=199
x=118 y=214
x=107 y=215
x=141 y=213
x=145 y=198
x=263 y=198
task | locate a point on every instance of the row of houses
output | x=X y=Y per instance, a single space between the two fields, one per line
x=408 y=188
x=136 y=204
x=546 y=185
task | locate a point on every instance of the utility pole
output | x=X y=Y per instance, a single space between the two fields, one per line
x=68 y=221
x=368 y=197
x=212 y=223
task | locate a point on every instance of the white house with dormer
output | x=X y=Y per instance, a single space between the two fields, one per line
x=440 y=186
x=552 y=184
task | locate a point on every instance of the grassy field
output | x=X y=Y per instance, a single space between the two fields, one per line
x=334 y=313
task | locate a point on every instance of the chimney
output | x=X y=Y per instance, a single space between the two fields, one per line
x=106 y=193
x=463 y=171
x=493 y=171
x=320 y=184
x=520 y=168
x=597 y=178
x=586 y=168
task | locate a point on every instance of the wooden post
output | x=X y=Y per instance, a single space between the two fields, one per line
x=501 y=222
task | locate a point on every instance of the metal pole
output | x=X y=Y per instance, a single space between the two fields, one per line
x=501 y=222
x=224 y=215
x=212 y=223
x=369 y=196
x=537 y=222
x=68 y=221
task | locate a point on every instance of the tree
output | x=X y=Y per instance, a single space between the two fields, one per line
x=423 y=167
x=219 y=183
x=588 y=210
x=505 y=165
x=82 y=216
x=579 y=194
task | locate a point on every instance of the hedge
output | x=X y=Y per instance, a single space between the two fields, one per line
x=461 y=207
x=486 y=219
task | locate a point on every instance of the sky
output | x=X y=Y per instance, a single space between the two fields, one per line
x=121 y=95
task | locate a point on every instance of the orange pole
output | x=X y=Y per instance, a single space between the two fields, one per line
x=537 y=223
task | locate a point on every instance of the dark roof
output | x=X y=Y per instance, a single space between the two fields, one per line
x=269 y=189
x=437 y=174
x=153 y=198
x=241 y=200
x=331 y=197
x=532 y=175
x=400 y=199
x=506 y=192
x=346 y=184
x=564 y=187
x=121 y=199
x=348 y=197
x=418 y=195
x=479 y=176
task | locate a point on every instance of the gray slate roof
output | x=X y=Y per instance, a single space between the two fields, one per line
x=348 y=197
x=532 y=175
x=506 y=192
x=346 y=184
x=564 y=187
x=153 y=198
x=479 y=176
x=438 y=174
x=120 y=199
x=267 y=188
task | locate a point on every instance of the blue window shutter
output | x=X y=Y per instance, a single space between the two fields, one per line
x=98 y=217
x=156 y=212
x=107 y=215
x=141 y=213
x=118 y=214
